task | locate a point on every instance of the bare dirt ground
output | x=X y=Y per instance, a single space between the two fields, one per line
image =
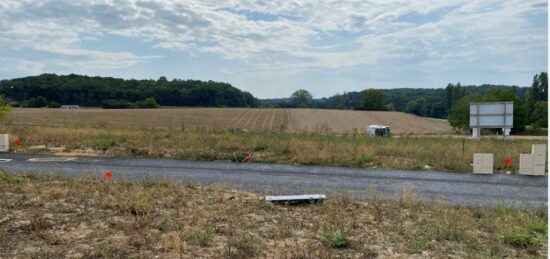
x=293 y=120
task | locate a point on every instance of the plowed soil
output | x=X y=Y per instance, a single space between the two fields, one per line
x=293 y=120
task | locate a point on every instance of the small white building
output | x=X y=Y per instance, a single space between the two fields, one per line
x=378 y=130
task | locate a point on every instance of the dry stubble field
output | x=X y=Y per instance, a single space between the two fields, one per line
x=288 y=120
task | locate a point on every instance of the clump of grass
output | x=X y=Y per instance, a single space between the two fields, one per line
x=198 y=235
x=419 y=245
x=521 y=240
x=243 y=245
x=408 y=197
x=335 y=239
x=181 y=156
x=539 y=227
x=262 y=146
x=106 y=141
x=366 y=160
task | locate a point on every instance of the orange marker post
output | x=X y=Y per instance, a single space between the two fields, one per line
x=108 y=175
x=18 y=142
x=507 y=162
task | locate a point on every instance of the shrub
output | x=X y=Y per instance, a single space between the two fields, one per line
x=54 y=105
x=148 y=103
x=117 y=104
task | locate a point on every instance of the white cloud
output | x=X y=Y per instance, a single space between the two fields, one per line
x=464 y=31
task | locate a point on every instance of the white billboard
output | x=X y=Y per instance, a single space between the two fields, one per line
x=492 y=115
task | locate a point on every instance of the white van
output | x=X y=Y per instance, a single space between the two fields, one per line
x=378 y=130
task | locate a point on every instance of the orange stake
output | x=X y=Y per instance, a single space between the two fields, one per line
x=108 y=175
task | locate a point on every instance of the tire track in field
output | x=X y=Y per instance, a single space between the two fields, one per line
x=259 y=116
x=238 y=119
x=274 y=112
x=251 y=118
x=286 y=120
x=254 y=118
x=266 y=119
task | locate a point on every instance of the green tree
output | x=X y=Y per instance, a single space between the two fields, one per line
x=540 y=115
x=373 y=100
x=148 y=103
x=162 y=80
x=537 y=93
x=37 y=102
x=417 y=107
x=453 y=93
x=301 y=98
x=437 y=110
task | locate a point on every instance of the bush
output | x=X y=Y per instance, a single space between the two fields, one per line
x=37 y=102
x=54 y=105
x=117 y=104
x=148 y=103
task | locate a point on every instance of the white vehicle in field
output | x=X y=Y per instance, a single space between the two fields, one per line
x=378 y=130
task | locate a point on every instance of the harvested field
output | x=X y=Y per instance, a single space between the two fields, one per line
x=293 y=120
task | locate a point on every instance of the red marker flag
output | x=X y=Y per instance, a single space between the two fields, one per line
x=108 y=175
x=507 y=161
x=18 y=142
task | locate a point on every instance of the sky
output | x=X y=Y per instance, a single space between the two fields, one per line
x=272 y=48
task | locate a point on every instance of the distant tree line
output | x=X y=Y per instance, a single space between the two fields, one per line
x=435 y=103
x=50 y=90
x=451 y=102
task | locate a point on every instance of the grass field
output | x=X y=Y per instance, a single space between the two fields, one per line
x=405 y=152
x=51 y=217
x=287 y=120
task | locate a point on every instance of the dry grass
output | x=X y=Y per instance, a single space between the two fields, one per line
x=287 y=120
x=406 y=152
x=50 y=217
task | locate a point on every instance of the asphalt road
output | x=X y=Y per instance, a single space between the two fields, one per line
x=450 y=188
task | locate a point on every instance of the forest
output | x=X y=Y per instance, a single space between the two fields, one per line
x=51 y=90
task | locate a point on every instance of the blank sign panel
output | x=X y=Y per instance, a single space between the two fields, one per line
x=492 y=115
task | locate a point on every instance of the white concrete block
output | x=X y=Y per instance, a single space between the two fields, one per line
x=539 y=170
x=538 y=149
x=483 y=163
x=539 y=159
x=526 y=164
x=4 y=143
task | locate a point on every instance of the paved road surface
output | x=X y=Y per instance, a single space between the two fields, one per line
x=452 y=188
